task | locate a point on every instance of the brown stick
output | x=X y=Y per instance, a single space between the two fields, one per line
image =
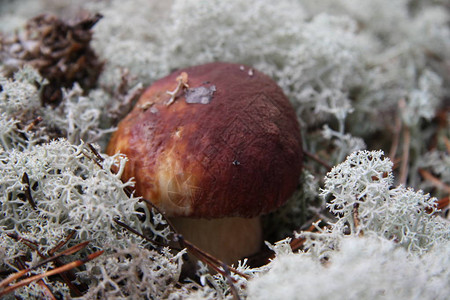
x=141 y=235
x=405 y=156
x=62 y=243
x=172 y=228
x=28 y=196
x=46 y=290
x=434 y=180
x=317 y=159
x=297 y=243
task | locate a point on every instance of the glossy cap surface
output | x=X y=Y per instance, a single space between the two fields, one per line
x=235 y=150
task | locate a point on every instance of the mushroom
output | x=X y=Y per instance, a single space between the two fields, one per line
x=213 y=147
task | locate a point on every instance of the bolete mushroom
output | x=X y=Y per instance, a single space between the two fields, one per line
x=213 y=147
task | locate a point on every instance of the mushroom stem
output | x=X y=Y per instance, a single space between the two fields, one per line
x=228 y=239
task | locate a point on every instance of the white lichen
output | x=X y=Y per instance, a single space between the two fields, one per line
x=80 y=117
x=364 y=200
x=351 y=68
x=134 y=273
x=362 y=268
x=71 y=192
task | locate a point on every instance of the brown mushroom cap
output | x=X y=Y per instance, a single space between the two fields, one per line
x=238 y=155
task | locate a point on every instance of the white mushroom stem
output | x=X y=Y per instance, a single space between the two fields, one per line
x=228 y=239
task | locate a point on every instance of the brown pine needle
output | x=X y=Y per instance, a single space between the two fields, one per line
x=26 y=181
x=297 y=243
x=56 y=271
x=95 y=152
x=46 y=290
x=62 y=243
x=443 y=203
x=317 y=159
x=404 y=167
x=356 y=220
x=434 y=180
x=66 y=252
x=141 y=235
x=233 y=289
x=21 y=273
x=396 y=133
x=16 y=237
